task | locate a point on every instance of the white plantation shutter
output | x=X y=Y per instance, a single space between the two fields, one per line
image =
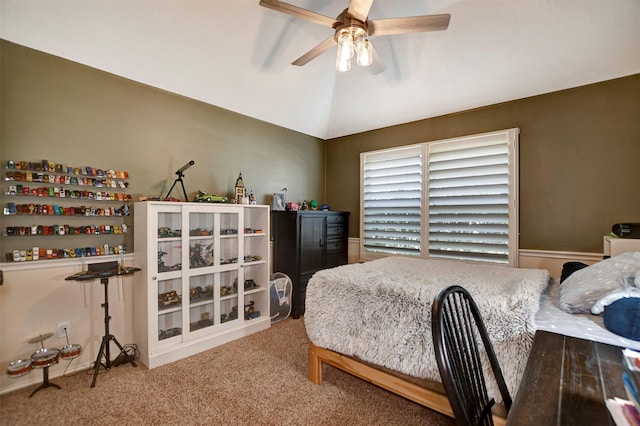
x=392 y=188
x=469 y=198
x=459 y=203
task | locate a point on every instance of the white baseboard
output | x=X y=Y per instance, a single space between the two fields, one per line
x=538 y=259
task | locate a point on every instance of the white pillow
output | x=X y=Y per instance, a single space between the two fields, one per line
x=632 y=289
x=582 y=289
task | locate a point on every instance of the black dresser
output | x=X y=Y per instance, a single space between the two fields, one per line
x=305 y=242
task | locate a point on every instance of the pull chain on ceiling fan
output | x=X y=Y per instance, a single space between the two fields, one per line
x=352 y=30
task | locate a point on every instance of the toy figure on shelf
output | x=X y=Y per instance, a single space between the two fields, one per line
x=230 y=316
x=250 y=312
x=194 y=294
x=165 y=334
x=200 y=255
x=239 y=190
x=161 y=265
x=164 y=268
x=250 y=284
x=170 y=298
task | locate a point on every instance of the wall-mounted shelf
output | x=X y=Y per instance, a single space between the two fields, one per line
x=85 y=210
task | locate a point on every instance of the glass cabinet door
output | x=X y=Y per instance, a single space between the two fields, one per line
x=169 y=241
x=201 y=301
x=228 y=232
x=169 y=308
x=168 y=276
x=201 y=240
x=255 y=267
x=228 y=296
x=213 y=267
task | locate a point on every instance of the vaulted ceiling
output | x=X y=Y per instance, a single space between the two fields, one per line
x=236 y=54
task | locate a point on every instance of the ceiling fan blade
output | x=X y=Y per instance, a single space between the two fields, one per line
x=377 y=66
x=411 y=24
x=298 y=12
x=359 y=9
x=315 y=52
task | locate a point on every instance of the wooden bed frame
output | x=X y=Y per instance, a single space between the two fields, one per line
x=399 y=386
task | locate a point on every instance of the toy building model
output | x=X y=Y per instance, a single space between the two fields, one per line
x=240 y=191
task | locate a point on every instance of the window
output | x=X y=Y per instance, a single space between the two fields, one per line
x=454 y=199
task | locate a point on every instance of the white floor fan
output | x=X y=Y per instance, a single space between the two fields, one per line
x=280 y=296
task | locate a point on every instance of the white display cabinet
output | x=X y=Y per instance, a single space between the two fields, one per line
x=204 y=278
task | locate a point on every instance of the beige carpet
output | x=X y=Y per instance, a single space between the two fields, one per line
x=258 y=380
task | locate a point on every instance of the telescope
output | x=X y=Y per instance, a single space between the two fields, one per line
x=185 y=167
x=180 y=173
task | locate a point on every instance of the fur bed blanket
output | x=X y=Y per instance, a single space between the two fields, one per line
x=380 y=311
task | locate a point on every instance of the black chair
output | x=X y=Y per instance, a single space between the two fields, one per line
x=456 y=326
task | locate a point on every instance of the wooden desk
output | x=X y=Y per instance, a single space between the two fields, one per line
x=566 y=382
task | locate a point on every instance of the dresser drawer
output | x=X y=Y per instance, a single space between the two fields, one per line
x=335 y=246
x=336 y=219
x=337 y=259
x=336 y=231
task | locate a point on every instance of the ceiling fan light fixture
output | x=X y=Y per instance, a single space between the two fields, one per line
x=365 y=52
x=345 y=44
x=352 y=29
x=343 y=64
x=353 y=40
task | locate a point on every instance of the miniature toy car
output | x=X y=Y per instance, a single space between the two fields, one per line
x=203 y=197
x=168 y=299
x=165 y=334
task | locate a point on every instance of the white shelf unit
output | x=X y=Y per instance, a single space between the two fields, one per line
x=204 y=278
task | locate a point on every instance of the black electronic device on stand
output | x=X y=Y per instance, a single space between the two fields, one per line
x=180 y=173
x=104 y=271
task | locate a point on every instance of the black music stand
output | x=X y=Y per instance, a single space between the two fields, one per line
x=104 y=271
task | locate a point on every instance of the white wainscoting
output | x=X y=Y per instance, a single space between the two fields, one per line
x=539 y=259
x=553 y=260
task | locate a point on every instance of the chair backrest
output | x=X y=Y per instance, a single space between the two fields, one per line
x=456 y=327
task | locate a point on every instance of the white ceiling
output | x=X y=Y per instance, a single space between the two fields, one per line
x=236 y=54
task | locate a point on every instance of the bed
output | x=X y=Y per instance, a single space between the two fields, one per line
x=551 y=317
x=373 y=320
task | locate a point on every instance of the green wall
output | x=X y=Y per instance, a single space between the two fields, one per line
x=68 y=113
x=579 y=148
x=579 y=160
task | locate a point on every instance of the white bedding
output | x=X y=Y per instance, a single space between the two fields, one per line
x=380 y=311
x=550 y=317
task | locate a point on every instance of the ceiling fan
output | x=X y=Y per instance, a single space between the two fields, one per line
x=353 y=29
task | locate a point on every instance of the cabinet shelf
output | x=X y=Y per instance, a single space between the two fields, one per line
x=172 y=309
x=254 y=290
x=200 y=303
x=229 y=296
x=200 y=237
